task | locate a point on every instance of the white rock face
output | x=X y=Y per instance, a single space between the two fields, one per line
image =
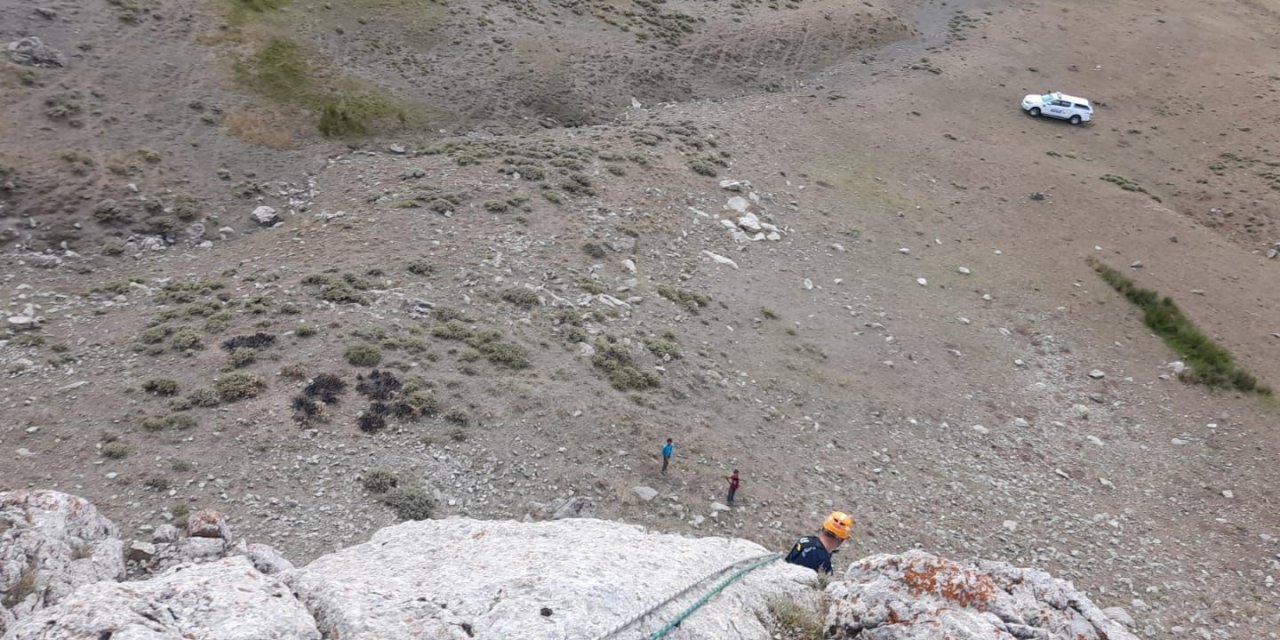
x=227 y=600
x=53 y=544
x=939 y=598
x=462 y=578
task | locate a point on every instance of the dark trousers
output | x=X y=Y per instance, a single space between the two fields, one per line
x=732 y=490
x=665 y=460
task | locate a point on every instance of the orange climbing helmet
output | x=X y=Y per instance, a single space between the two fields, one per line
x=838 y=524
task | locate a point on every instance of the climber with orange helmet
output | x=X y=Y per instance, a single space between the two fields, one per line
x=815 y=551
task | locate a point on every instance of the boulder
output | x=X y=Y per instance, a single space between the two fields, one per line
x=226 y=600
x=646 y=493
x=575 y=507
x=919 y=596
x=267 y=560
x=50 y=544
x=35 y=53
x=265 y=216
x=487 y=580
x=207 y=523
x=165 y=533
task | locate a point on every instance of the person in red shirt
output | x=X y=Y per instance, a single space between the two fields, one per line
x=734 y=482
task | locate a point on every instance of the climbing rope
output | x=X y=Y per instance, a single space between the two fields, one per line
x=754 y=563
x=670 y=626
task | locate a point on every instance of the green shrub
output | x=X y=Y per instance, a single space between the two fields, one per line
x=154 y=335
x=521 y=297
x=451 y=330
x=204 y=398
x=703 y=168
x=305 y=331
x=161 y=386
x=242 y=357
x=423 y=402
x=663 y=348
x=363 y=355
x=420 y=268
x=239 y=385
x=615 y=361
x=379 y=481
x=409 y=503
x=457 y=416
x=116 y=450
x=156 y=483
x=505 y=354
x=181 y=466
x=186 y=339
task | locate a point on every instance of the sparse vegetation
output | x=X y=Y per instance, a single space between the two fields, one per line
x=521 y=297
x=281 y=72
x=239 y=385
x=363 y=355
x=409 y=503
x=161 y=386
x=420 y=268
x=379 y=481
x=115 y=450
x=690 y=300
x=796 y=621
x=615 y=361
x=665 y=349
x=1207 y=362
x=1128 y=185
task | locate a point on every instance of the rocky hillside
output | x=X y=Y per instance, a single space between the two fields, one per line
x=463 y=578
x=325 y=267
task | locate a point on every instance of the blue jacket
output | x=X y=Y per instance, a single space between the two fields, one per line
x=667 y=449
x=809 y=552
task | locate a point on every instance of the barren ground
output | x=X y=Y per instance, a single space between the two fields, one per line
x=959 y=416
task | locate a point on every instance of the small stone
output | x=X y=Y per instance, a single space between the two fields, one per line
x=34 y=53
x=1228 y=494
x=738 y=203
x=1178 y=367
x=1020 y=422
x=963 y=320
x=716 y=506
x=546 y=611
x=981 y=429
x=265 y=216
x=1136 y=264
x=904 y=251
x=165 y=534
x=1095 y=440
x=1097 y=374
x=922 y=282
x=396 y=149
x=808 y=284
x=140 y=551
x=1010 y=526
x=1177 y=442
x=207 y=523
x=963 y=270
x=646 y=493
x=1120 y=615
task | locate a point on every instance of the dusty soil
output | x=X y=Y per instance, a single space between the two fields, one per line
x=959 y=416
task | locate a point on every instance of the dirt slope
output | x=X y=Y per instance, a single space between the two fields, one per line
x=515 y=277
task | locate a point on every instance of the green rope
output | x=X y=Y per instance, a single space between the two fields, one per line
x=670 y=626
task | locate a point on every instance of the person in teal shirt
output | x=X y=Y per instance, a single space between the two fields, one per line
x=667 y=450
